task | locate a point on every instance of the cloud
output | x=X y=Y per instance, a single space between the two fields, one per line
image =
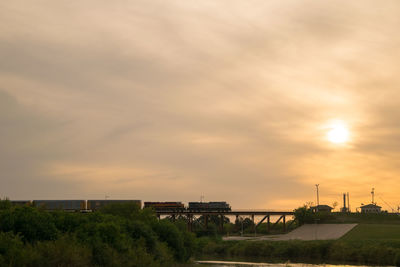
x=172 y=101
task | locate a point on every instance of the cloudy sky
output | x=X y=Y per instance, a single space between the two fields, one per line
x=170 y=100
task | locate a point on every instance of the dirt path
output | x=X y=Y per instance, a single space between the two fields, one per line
x=306 y=232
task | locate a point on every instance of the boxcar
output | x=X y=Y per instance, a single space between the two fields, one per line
x=67 y=205
x=21 y=202
x=98 y=204
x=165 y=206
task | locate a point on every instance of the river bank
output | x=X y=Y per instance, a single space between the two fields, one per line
x=315 y=252
x=259 y=264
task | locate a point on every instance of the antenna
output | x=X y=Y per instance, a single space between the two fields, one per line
x=372 y=194
x=201 y=198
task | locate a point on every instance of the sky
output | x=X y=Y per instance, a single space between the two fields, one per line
x=173 y=100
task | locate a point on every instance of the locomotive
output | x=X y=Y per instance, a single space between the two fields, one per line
x=209 y=206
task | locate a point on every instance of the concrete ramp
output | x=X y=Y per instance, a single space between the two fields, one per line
x=306 y=232
x=316 y=232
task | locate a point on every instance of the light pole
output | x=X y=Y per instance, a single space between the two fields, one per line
x=317 y=196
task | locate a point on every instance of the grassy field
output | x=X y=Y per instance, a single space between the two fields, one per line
x=362 y=218
x=373 y=232
x=365 y=244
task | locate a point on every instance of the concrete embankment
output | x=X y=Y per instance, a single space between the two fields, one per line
x=306 y=232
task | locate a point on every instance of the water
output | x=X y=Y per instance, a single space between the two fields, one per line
x=254 y=264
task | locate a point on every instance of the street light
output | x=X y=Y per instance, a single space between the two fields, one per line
x=317 y=196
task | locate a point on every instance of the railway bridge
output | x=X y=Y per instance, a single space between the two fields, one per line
x=266 y=215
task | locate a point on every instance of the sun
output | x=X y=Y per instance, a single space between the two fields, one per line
x=338 y=133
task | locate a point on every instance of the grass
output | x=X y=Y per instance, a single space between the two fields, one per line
x=366 y=244
x=363 y=218
x=379 y=232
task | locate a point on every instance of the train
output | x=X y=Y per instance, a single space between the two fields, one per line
x=93 y=205
x=165 y=206
x=72 y=205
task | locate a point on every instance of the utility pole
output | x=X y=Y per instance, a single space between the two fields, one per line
x=317 y=196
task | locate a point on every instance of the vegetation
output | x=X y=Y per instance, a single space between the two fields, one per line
x=125 y=235
x=375 y=241
x=305 y=215
x=374 y=232
x=240 y=226
x=118 y=235
x=331 y=251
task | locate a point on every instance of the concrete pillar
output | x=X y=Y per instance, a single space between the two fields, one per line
x=284 y=223
x=189 y=219
x=254 y=226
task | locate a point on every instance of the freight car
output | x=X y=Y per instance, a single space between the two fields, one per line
x=209 y=206
x=67 y=205
x=165 y=206
x=98 y=204
x=21 y=202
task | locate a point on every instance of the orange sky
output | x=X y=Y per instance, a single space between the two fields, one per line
x=171 y=100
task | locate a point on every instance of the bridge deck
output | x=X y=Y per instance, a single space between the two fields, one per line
x=234 y=213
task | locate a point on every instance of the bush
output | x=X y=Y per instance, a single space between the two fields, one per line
x=31 y=224
x=122 y=236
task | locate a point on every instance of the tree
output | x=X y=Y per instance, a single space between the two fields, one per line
x=335 y=204
x=304 y=215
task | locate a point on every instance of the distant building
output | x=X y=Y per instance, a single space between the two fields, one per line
x=321 y=208
x=370 y=208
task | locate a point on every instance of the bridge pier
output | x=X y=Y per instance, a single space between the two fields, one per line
x=206 y=222
x=190 y=221
x=284 y=223
x=254 y=226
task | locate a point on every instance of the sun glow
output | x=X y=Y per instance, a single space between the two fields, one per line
x=338 y=132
